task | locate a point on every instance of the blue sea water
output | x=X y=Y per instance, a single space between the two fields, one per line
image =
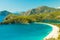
x=1 y=18
x=24 y=31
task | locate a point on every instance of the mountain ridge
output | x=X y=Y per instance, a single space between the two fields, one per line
x=42 y=9
x=4 y=13
x=38 y=10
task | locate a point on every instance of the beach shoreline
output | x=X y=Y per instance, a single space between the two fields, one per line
x=54 y=33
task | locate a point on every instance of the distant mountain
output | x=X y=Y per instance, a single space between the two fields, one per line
x=44 y=14
x=4 y=13
x=22 y=13
x=42 y=9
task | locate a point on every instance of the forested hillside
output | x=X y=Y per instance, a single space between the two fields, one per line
x=42 y=14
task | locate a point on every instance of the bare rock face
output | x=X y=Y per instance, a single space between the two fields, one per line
x=42 y=9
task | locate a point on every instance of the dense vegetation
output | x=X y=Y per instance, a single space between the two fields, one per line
x=53 y=17
x=42 y=14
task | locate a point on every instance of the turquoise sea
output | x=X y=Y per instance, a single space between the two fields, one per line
x=24 y=31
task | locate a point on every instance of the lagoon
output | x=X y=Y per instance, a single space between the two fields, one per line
x=24 y=31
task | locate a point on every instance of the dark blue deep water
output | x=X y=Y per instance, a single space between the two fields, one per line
x=24 y=31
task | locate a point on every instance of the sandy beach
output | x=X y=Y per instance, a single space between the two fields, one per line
x=54 y=33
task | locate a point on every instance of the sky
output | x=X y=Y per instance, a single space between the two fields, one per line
x=24 y=5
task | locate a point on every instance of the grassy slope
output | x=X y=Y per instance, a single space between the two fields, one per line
x=52 y=18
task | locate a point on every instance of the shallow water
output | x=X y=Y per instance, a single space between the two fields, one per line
x=24 y=31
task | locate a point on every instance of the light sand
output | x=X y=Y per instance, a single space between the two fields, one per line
x=54 y=33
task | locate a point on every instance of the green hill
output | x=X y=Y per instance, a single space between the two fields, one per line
x=40 y=14
x=42 y=9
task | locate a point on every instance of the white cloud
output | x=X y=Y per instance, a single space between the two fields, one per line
x=58 y=7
